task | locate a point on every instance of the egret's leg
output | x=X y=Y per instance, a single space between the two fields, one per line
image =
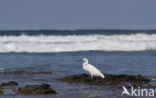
x=91 y=76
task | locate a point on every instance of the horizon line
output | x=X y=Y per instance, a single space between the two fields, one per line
x=74 y=29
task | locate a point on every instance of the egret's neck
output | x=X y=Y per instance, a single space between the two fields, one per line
x=86 y=62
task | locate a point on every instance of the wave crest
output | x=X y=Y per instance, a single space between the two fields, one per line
x=54 y=43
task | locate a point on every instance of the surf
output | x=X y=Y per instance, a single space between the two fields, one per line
x=70 y=43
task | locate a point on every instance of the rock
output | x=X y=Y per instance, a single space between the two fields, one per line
x=36 y=89
x=18 y=72
x=1 y=91
x=25 y=72
x=11 y=83
x=109 y=79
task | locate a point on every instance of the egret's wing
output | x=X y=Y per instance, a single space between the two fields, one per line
x=93 y=68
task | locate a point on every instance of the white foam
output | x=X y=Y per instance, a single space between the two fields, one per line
x=53 y=43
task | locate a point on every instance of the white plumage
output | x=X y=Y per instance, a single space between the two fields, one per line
x=91 y=69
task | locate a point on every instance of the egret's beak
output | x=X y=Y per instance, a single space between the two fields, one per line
x=79 y=60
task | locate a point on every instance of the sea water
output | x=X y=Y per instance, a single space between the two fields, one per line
x=112 y=51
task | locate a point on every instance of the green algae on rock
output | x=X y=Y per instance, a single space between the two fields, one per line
x=25 y=72
x=36 y=89
x=11 y=83
x=109 y=79
x=1 y=91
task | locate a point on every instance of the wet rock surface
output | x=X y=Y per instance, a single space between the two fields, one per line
x=111 y=80
x=11 y=83
x=25 y=72
x=36 y=89
x=1 y=91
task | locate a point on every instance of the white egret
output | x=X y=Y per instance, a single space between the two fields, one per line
x=91 y=69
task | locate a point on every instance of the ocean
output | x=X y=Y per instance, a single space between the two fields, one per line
x=58 y=51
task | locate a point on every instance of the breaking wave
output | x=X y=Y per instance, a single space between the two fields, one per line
x=69 y=43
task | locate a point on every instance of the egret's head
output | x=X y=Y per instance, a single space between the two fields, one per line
x=85 y=60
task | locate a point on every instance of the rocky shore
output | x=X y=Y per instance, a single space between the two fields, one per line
x=43 y=88
x=29 y=89
x=109 y=80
